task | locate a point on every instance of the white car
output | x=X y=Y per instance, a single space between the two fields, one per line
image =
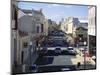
x=71 y=50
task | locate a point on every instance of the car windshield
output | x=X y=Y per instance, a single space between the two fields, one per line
x=70 y=48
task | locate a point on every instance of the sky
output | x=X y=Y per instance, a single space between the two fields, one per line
x=56 y=12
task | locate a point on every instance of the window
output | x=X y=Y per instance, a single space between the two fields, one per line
x=22 y=55
x=25 y=44
x=41 y=27
x=37 y=19
x=37 y=29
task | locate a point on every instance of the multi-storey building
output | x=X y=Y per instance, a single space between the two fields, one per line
x=92 y=20
x=27 y=26
x=69 y=25
x=14 y=37
x=51 y=25
x=84 y=25
x=34 y=23
x=92 y=29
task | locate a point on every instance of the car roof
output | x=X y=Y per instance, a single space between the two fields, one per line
x=70 y=47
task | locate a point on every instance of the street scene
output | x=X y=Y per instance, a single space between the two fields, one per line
x=50 y=37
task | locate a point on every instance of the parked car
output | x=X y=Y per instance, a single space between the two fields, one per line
x=33 y=68
x=94 y=58
x=43 y=51
x=71 y=50
x=58 y=50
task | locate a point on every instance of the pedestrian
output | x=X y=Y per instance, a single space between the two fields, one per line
x=78 y=65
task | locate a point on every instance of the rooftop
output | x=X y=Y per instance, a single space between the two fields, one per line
x=30 y=11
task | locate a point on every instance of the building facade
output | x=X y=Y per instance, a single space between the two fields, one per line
x=84 y=25
x=92 y=20
x=69 y=25
x=92 y=29
x=33 y=22
x=51 y=25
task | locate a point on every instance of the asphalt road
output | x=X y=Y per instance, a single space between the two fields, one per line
x=50 y=61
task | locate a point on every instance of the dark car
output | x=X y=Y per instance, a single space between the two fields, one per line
x=33 y=68
x=43 y=51
x=58 y=50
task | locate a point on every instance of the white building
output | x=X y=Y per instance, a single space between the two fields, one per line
x=23 y=52
x=33 y=22
x=51 y=25
x=69 y=25
x=92 y=29
x=63 y=25
x=92 y=20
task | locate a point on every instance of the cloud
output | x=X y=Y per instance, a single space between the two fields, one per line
x=59 y=5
